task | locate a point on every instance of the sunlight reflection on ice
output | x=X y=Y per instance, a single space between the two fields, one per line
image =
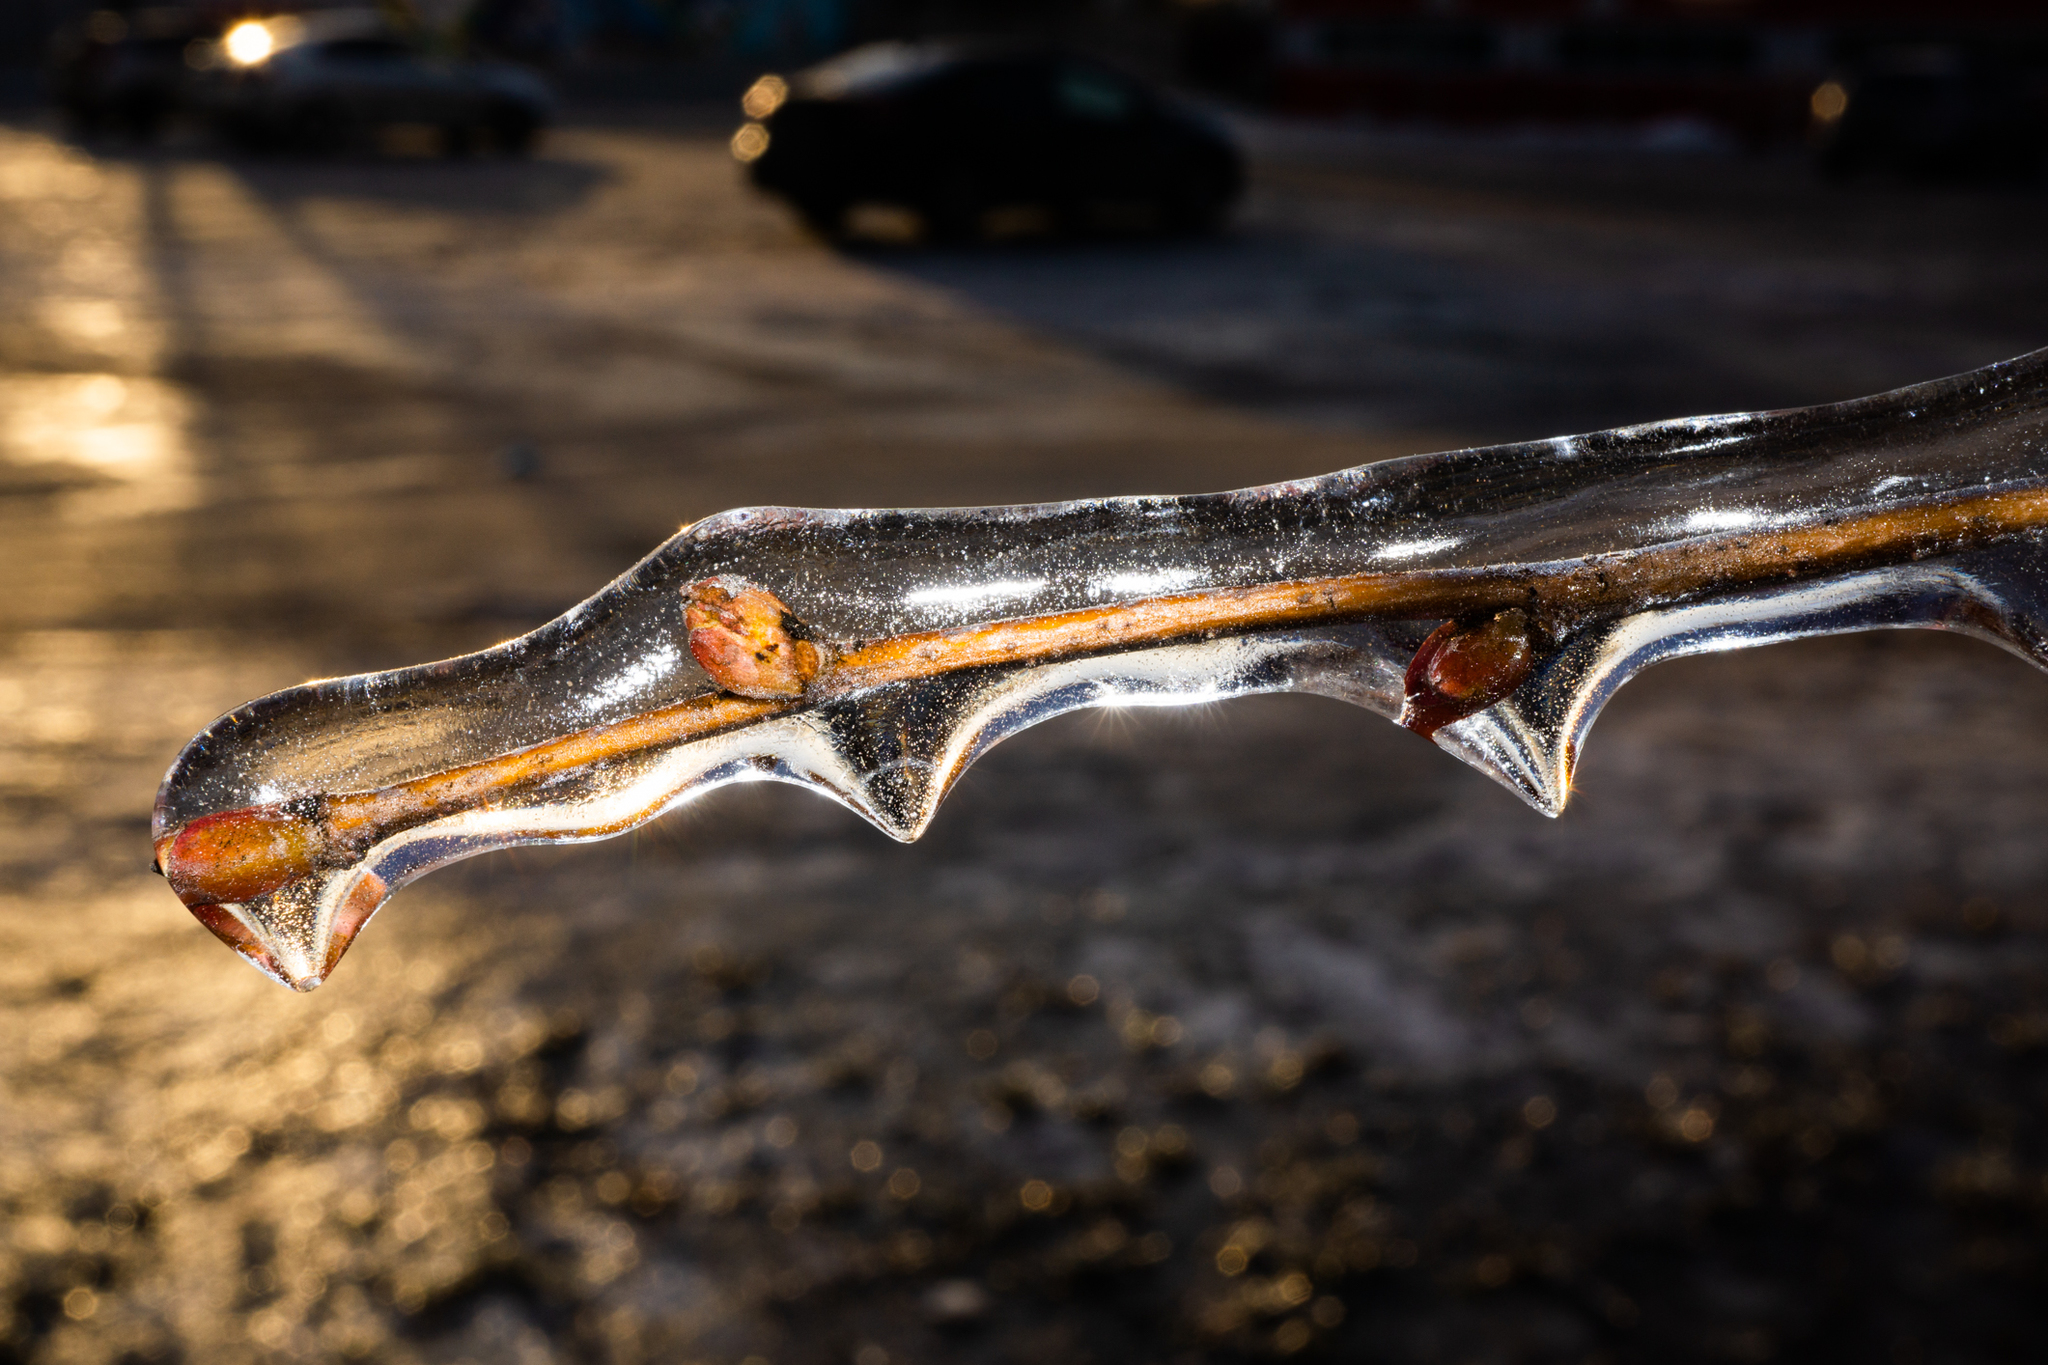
x=1147 y=581
x=1415 y=549
x=91 y=321
x=633 y=680
x=127 y=434
x=975 y=594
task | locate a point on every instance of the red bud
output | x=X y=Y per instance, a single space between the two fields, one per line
x=239 y=855
x=1466 y=666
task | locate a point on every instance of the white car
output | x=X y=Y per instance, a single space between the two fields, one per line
x=328 y=81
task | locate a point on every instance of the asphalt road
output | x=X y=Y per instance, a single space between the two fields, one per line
x=1258 y=1030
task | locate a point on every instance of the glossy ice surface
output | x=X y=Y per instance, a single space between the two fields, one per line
x=890 y=752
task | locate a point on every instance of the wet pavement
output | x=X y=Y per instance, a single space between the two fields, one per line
x=1251 y=1031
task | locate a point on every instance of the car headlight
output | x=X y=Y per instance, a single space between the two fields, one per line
x=248 y=43
x=749 y=142
x=764 y=96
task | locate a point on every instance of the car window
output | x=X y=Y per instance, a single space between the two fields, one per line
x=1086 y=92
x=1008 y=90
x=363 y=50
x=873 y=69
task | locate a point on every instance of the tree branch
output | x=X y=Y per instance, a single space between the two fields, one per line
x=1498 y=624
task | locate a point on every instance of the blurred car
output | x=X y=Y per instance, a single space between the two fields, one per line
x=125 y=73
x=1932 y=115
x=960 y=132
x=329 y=80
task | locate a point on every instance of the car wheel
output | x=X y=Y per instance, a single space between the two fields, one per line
x=954 y=213
x=320 y=128
x=144 y=117
x=1192 y=214
x=514 y=130
x=85 y=119
x=823 y=215
x=1194 y=202
x=1841 y=159
x=244 y=134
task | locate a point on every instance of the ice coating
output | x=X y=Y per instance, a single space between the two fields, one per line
x=1492 y=598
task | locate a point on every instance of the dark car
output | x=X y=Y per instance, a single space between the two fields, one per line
x=331 y=80
x=958 y=133
x=125 y=73
x=1932 y=115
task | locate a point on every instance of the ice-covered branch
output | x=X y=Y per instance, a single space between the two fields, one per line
x=1491 y=598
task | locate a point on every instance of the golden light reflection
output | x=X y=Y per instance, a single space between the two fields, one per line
x=1830 y=101
x=125 y=435
x=34 y=170
x=249 y=42
x=92 y=321
x=765 y=96
x=884 y=223
x=749 y=142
